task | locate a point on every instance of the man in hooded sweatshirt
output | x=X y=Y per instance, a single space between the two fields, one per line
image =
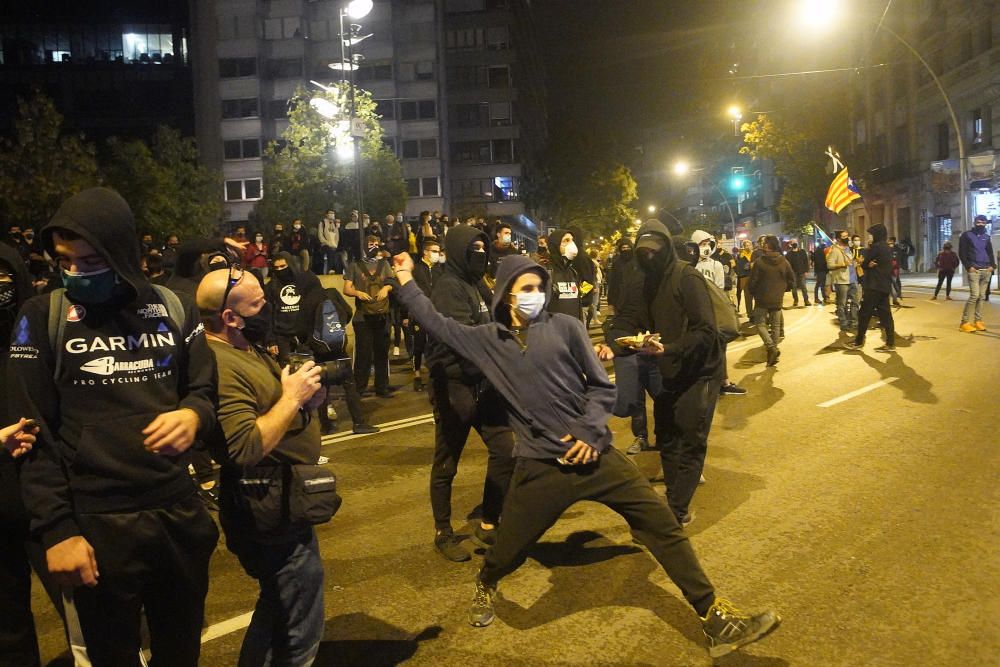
x=462 y=398
x=875 y=292
x=567 y=283
x=770 y=277
x=121 y=382
x=564 y=451
x=975 y=249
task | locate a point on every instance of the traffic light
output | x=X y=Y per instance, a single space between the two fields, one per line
x=737 y=183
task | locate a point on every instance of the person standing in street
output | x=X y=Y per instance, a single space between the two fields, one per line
x=946 y=263
x=426 y=272
x=770 y=277
x=328 y=236
x=798 y=259
x=743 y=260
x=368 y=282
x=898 y=258
x=844 y=276
x=976 y=252
x=820 y=291
x=877 y=288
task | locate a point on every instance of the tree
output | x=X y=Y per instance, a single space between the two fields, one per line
x=585 y=185
x=312 y=169
x=40 y=167
x=796 y=144
x=168 y=190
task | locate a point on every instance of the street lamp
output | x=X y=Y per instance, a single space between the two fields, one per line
x=651 y=209
x=736 y=115
x=682 y=168
x=823 y=14
x=358 y=9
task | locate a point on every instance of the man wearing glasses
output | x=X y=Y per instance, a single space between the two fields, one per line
x=266 y=419
x=118 y=375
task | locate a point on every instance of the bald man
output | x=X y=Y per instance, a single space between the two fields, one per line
x=266 y=421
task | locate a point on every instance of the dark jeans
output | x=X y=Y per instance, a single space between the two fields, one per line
x=458 y=408
x=419 y=338
x=18 y=644
x=770 y=323
x=683 y=419
x=635 y=375
x=154 y=561
x=371 y=347
x=541 y=490
x=350 y=242
x=875 y=302
x=942 y=277
x=288 y=619
x=819 y=291
x=741 y=289
x=800 y=286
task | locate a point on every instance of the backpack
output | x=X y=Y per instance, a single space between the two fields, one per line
x=59 y=304
x=329 y=336
x=727 y=324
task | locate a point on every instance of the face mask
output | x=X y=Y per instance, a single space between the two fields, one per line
x=442 y=259
x=505 y=239
x=477 y=264
x=856 y=244
x=258 y=239
x=372 y=253
x=530 y=304
x=284 y=274
x=278 y=230
x=296 y=227
x=435 y=257
x=29 y=237
x=8 y=295
x=705 y=250
x=90 y=287
x=654 y=263
x=844 y=241
x=256 y=327
x=570 y=251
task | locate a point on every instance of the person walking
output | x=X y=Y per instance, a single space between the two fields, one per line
x=976 y=252
x=743 y=260
x=770 y=277
x=798 y=259
x=946 y=263
x=877 y=288
x=820 y=291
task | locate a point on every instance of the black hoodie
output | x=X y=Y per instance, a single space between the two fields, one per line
x=680 y=310
x=123 y=363
x=565 y=279
x=458 y=294
x=553 y=386
x=878 y=262
x=293 y=300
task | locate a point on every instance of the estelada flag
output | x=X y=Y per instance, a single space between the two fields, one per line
x=842 y=192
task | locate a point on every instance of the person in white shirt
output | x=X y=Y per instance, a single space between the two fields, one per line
x=328 y=233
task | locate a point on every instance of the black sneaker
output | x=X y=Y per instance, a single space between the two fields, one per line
x=772 y=356
x=727 y=628
x=418 y=384
x=640 y=444
x=484 y=537
x=387 y=393
x=481 y=610
x=447 y=545
x=853 y=345
x=732 y=389
x=885 y=348
x=365 y=429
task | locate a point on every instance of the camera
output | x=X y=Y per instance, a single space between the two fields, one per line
x=334 y=372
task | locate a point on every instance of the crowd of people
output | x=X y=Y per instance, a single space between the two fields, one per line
x=149 y=386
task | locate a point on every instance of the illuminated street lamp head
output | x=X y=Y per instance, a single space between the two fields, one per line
x=817 y=14
x=358 y=9
x=735 y=112
x=324 y=107
x=651 y=209
x=681 y=168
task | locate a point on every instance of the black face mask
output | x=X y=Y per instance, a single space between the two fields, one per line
x=8 y=296
x=284 y=275
x=655 y=263
x=477 y=264
x=256 y=327
x=980 y=229
x=626 y=254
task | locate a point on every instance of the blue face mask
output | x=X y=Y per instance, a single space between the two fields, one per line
x=530 y=304
x=92 y=286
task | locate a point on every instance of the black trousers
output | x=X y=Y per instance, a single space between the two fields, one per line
x=459 y=408
x=800 y=286
x=942 y=277
x=419 y=338
x=541 y=490
x=18 y=644
x=819 y=290
x=153 y=560
x=371 y=347
x=683 y=417
x=875 y=302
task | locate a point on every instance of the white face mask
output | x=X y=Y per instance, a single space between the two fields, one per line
x=505 y=239
x=570 y=251
x=530 y=304
x=435 y=257
x=441 y=259
x=706 y=250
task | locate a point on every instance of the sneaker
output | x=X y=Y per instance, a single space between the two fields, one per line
x=808 y=304
x=447 y=545
x=702 y=480
x=322 y=461
x=732 y=389
x=331 y=414
x=395 y=351
x=640 y=444
x=418 y=384
x=365 y=429
x=968 y=327
x=772 y=356
x=327 y=428
x=686 y=521
x=980 y=325
x=934 y=298
x=388 y=393
x=727 y=628
x=885 y=348
x=853 y=345
x=210 y=497
x=481 y=610
x=948 y=298
x=484 y=537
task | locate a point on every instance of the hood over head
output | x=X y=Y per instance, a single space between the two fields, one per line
x=104 y=220
x=509 y=270
x=699 y=235
x=655 y=231
x=304 y=280
x=555 y=241
x=456 y=246
x=879 y=233
x=625 y=240
x=12 y=264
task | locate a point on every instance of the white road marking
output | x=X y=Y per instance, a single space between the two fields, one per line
x=226 y=627
x=857 y=392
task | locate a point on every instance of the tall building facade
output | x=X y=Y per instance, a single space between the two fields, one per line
x=454 y=81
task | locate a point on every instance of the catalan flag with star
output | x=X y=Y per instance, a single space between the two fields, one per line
x=842 y=192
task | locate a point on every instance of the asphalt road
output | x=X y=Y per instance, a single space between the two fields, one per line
x=871 y=524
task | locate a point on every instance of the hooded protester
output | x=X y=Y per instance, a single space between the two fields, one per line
x=690 y=362
x=564 y=450
x=975 y=250
x=875 y=291
x=293 y=295
x=770 y=277
x=798 y=259
x=121 y=387
x=619 y=266
x=711 y=268
x=462 y=398
x=566 y=281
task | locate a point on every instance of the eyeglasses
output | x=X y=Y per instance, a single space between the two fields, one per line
x=235 y=276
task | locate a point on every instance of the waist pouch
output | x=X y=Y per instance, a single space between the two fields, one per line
x=276 y=498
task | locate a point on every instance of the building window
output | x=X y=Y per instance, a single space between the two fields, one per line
x=389 y=143
x=471 y=151
x=943 y=150
x=505 y=188
x=141 y=43
x=247 y=189
x=283 y=28
x=413 y=187
x=284 y=68
x=386 y=109
x=499 y=113
x=467 y=115
x=375 y=72
x=232 y=68
x=277 y=109
x=419 y=148
x=502 y=150
x=425 y=70
x=241 y=149
x=978 y=129
x=465 y=38
x=241 y=108
x=498 y=38
x=418 y=110
x=498 y=76
x=430 y=187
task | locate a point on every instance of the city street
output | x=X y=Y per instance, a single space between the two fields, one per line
x=855 y=492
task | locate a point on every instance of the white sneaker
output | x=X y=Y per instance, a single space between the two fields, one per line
x=322 y=461
x=331 y=414
x=395 y=351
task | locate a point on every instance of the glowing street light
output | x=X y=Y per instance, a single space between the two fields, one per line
x=358 y=9
x=817 y=14
x=651 y=209
x=681 y=168
x=735 y=112
x=324 y=107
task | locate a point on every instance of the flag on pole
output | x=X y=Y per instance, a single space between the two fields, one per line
x=842 y=192
x=823 y=235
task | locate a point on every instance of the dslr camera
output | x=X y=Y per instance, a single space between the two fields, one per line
x=334 y=372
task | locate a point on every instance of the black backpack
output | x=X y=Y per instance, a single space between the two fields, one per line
x=329 y=337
